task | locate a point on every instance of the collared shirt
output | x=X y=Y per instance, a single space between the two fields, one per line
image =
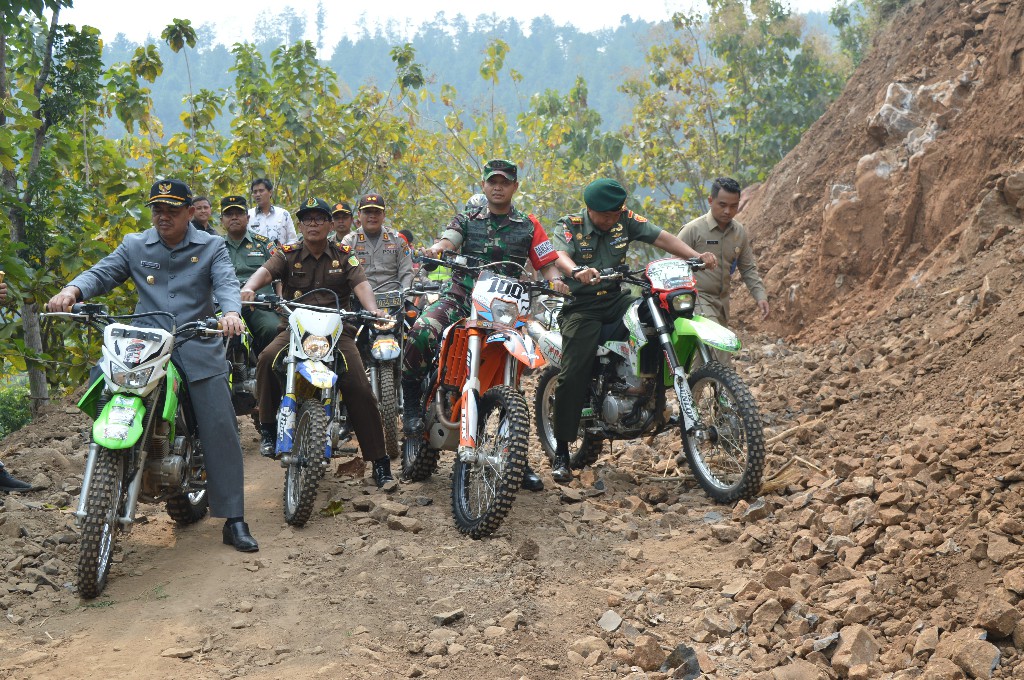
x=384 y=260
x=336 y=269
x=248 y=255
x=731 y=246
x=587 y=245
x=277 y=225
x=182 y=280
x=208 y=228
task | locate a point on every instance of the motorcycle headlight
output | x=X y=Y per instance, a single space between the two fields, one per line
x=504 y=312
x=682 y=302
x=316 y=346
x=133 y=380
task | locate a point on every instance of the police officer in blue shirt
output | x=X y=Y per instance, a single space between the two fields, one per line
x=177 y=268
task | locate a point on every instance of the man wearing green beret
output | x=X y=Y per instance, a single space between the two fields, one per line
x=596 y=238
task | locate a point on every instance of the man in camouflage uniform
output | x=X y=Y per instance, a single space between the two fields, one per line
x=719 y=233
x=380 y=250
x=248 y=251
x=596 y=239
x=494 y=233
x=316 y=262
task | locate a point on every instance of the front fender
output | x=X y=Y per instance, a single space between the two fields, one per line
x=120 y=424
x=317 y=374
x=385 y=348
x=709 y=332
x=524 y=349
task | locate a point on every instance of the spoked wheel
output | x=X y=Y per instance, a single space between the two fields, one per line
x=389 y=408
x=483 y=490
x=726 y=449
x=587 y=447
x=303 y=473
x=107 y=491
x=189 y=506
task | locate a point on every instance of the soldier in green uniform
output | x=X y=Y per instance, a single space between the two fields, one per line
x=496 y=232
x=596 y=239
x=248 y=251
x=719 y=233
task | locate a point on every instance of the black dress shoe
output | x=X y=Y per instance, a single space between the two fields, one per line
x=531 y=482
x=238 y=535
x=9 y=483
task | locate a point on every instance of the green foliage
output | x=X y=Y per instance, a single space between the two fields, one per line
x=858 y=21
x=14 y=407
x=727 y=94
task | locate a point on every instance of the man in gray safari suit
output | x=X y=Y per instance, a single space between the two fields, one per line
x=177 y=268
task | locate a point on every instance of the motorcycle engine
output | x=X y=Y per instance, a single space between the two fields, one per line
x=165 y=467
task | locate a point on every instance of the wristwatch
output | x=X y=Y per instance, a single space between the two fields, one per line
x=577 y=269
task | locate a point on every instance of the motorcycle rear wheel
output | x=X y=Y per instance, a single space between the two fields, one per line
x=483 y=491
x=587 y=447
x=726 y=451
x=107 y=492
x=303 y=474
x=190 y=506
x=389 y=408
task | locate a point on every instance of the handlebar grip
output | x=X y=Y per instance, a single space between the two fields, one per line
x=2 y=275
x=77 y=307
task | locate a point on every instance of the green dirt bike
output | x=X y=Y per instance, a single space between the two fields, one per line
x=144 y=439
x=660 y=344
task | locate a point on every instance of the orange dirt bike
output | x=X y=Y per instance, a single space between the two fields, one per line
x=473 y=403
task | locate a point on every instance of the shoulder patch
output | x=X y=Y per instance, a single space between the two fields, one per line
x=567 y=235
x=632 y=215
x=354 y=261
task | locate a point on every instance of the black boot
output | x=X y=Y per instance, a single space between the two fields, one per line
x=531 y=482
x=560 y=471
x=412 y=406
x=382 y=471
x=268 y=440
x=9 y=483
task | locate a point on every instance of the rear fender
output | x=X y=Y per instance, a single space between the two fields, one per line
x=120 y=424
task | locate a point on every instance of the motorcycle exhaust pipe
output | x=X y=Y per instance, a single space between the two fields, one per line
x=83 y=495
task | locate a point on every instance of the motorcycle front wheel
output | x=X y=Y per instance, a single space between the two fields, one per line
x=389 y=407
x=725 y=450
x=483 y=490
x=106 y=494
x=587 y=447
x=303 y=473
x=191 y=505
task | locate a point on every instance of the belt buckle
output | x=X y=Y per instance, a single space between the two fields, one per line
x=601 y=292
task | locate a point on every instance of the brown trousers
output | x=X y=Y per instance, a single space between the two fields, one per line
x=353 y=386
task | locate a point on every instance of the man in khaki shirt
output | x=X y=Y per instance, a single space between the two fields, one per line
x=719 y=233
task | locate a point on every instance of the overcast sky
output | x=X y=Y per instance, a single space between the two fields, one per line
x=234 y=18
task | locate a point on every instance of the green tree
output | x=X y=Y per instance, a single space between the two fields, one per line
x=727 y=94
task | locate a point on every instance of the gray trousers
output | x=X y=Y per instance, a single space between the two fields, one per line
x=215 y=418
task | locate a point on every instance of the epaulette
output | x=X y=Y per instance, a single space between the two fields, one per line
x=576 y=219
x=342 y=247
x=633 y=216
x=260 y=238
x=291 y=247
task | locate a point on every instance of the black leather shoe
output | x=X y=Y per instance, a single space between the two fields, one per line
x=382 y=471
x=238 y=535
x=9 y=483
x=531 y=482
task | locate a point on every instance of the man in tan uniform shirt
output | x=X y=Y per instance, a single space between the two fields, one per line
x=719 y=233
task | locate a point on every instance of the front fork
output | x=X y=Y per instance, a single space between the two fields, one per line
x=470 y=390
x=682 y=387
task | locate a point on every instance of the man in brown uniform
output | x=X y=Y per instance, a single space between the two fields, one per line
x=317 y=262
x=717 y=232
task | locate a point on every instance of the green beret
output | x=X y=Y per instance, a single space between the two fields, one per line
x=604 y=195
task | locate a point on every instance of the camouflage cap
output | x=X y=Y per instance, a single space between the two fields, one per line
x=170 y=191
x=313 y=205
x=229 y=202
x=501 y=167
x=605 y=195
